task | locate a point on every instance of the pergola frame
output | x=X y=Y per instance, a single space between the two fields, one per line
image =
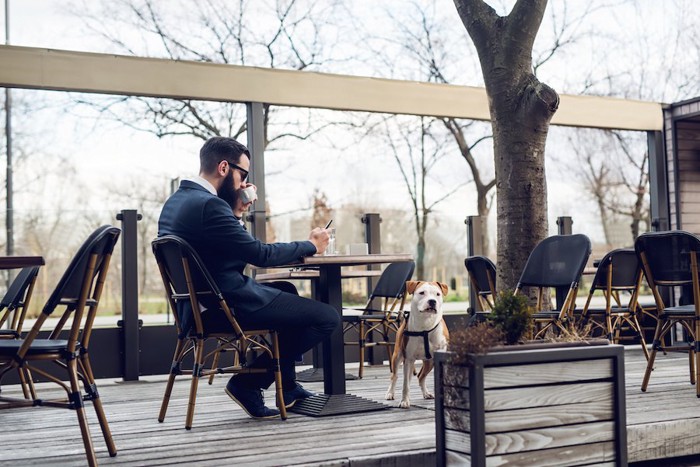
x=62 y=70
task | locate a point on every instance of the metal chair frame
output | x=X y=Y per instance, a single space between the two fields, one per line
x=191 y=284
x=484 y=291
x=545 y=320
x=687 y=316
x=385 y=319
x=79 y=291
x=612 y=318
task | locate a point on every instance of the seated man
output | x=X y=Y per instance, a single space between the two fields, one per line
x=206 y=211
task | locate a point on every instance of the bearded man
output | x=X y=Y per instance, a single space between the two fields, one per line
x=207 y=212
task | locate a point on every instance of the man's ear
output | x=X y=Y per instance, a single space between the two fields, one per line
x=443 y=287
x=411 y=286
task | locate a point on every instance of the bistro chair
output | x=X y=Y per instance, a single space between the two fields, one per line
x=391 y=292
x=13 y=310
x=482 y=276
x=670 y=259
x=618 y=272
x=558 y=262
x=14 y=305
x=189 y=286
x=78 y=295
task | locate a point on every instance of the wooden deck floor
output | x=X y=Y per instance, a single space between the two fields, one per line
x=663 y=423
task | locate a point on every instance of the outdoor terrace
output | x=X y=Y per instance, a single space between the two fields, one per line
x=661 y=424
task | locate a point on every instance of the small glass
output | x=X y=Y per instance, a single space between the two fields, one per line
x=330 y=249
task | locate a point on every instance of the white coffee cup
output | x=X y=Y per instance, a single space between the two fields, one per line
x=249 y=195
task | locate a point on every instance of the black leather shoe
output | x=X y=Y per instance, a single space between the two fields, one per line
x=295 y=394
x=250 y=400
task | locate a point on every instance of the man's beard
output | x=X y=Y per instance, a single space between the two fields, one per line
x=227 y=192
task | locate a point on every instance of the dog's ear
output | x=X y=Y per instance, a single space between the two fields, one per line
x=411 y=286
x=443 y=287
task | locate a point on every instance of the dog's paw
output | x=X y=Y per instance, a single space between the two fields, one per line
x=405 y=404
x=428 y=395
x=389 y=396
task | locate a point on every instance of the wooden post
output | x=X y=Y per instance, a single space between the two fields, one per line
x=474 y=248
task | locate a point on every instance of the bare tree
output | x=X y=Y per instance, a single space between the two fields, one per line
x=282 y=34
x=322 y=212
x=146 y=194
x=521 y=108
x=415 y=160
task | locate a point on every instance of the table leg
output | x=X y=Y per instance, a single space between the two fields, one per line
x=335 y=401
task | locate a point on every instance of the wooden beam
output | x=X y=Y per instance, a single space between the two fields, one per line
x=35 y=68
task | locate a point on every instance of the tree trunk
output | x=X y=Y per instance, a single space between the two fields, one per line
x=521 y=108
x=420 y=258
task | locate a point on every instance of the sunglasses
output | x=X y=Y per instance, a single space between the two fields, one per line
x=244 y=172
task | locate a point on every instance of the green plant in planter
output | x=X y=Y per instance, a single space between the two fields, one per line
x=512 y=315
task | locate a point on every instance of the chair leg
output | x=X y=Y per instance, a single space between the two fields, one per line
x=196 y=369
x=214 y=365
x=658 y=335
x=640 y=331
x=609 y=327
x=361 y=338
x=23 y=382
x=174 y=371
x=77 y=398
x=691 y=361
x=91 y=389
x=696 y=349
x=279 y=391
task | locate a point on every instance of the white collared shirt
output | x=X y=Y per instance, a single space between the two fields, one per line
x=203 y=182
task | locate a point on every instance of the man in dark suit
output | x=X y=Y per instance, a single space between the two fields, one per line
x=206 y=211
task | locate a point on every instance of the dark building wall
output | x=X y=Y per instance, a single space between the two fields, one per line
x=682 y=141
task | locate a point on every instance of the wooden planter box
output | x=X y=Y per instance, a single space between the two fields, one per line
x=541 y=405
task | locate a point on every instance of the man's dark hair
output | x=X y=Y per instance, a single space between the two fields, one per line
x=219 y=149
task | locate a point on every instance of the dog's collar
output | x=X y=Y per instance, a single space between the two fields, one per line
x=425 y=334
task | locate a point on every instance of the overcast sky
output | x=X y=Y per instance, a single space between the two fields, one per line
x=103 y=151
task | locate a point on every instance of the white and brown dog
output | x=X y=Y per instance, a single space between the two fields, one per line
x=420 y=335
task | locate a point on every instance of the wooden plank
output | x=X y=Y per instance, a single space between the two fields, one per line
x=457 y=458
x=456 y=375
x=457 y=419
x=522 y=419
x=665 y=440
x=545 y=373
x=456 y=397
x=457 y=441
x=564 y=456
x=542 y=396
x=547 y=438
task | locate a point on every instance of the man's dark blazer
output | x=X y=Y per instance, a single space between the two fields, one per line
x=207 y=223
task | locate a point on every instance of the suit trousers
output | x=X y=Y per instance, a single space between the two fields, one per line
x=301 y=324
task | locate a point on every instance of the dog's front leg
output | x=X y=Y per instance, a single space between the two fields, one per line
x=407 y=374
x=394 y=376
x=423 y=376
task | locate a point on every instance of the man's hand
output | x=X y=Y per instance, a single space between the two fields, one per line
x=319 y=237
x=241 y=207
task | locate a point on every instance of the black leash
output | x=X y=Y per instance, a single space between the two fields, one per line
x=425 y=334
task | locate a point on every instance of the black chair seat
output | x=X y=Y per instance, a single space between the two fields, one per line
x=378 y=316
x=546 y=315
x=683 y=310
x=39 y=346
